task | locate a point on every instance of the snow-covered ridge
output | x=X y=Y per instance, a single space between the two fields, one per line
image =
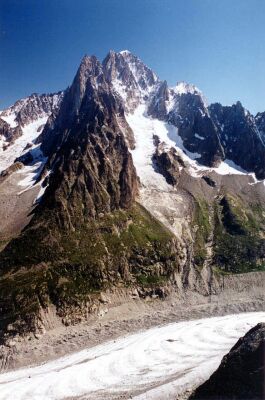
x=31 y=108
x=30 y=114
x=184 y=88
x=28 y=174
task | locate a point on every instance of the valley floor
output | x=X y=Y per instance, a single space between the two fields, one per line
x=167 y=361
x=163 y=362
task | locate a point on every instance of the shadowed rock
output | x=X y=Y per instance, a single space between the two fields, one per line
x=241 y=374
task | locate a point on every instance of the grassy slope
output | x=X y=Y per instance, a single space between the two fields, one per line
x=68 y=268
x=238 y=237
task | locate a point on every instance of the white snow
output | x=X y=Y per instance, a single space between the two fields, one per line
x=10 y=119
x=171 y=102
x=199 y=137
x=228 y=167
x=184 y=88
x=30 y=133
x=160 y=363
x=125 y=52
x=144 y=128
x=31 y=172
x=120 y=88
x=42 y=186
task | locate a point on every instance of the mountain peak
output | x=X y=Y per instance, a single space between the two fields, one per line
x=88 y=65
x=130 y=77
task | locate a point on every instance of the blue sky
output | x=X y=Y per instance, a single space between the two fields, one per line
x=219 y=45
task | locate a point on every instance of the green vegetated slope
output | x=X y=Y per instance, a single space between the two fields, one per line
x=202 y=230
x=68 y=268
x=238 y=237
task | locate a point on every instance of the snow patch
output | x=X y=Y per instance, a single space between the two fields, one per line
x=30 y=133
x=144 y=128
x=125 y=52
x=10 y=119
x=228 y=167
x=184 y=88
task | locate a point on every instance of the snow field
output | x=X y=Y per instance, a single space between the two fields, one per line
x=144 y=128
x=165 y=359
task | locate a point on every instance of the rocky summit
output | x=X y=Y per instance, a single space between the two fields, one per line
x=121 y=181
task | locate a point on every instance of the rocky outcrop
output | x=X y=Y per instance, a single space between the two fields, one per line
x=10 y=170
x=260 y=122
x=158 y=105
x=240 y=137
x=167 y=162
x=241 y=373
x=9 y=134
x=197 y=129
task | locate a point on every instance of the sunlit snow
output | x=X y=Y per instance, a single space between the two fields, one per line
x=10 y=119
x=30 y=133
x=144 y=127
x=183 y=353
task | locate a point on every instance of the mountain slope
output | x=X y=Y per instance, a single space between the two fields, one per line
x=21 y=124
x=136 y=192
x=87 y=232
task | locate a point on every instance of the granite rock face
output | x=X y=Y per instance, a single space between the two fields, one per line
x=87 y=151
x=260 y=122
x=167 y=162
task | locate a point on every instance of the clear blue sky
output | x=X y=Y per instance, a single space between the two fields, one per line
x=219 y=45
